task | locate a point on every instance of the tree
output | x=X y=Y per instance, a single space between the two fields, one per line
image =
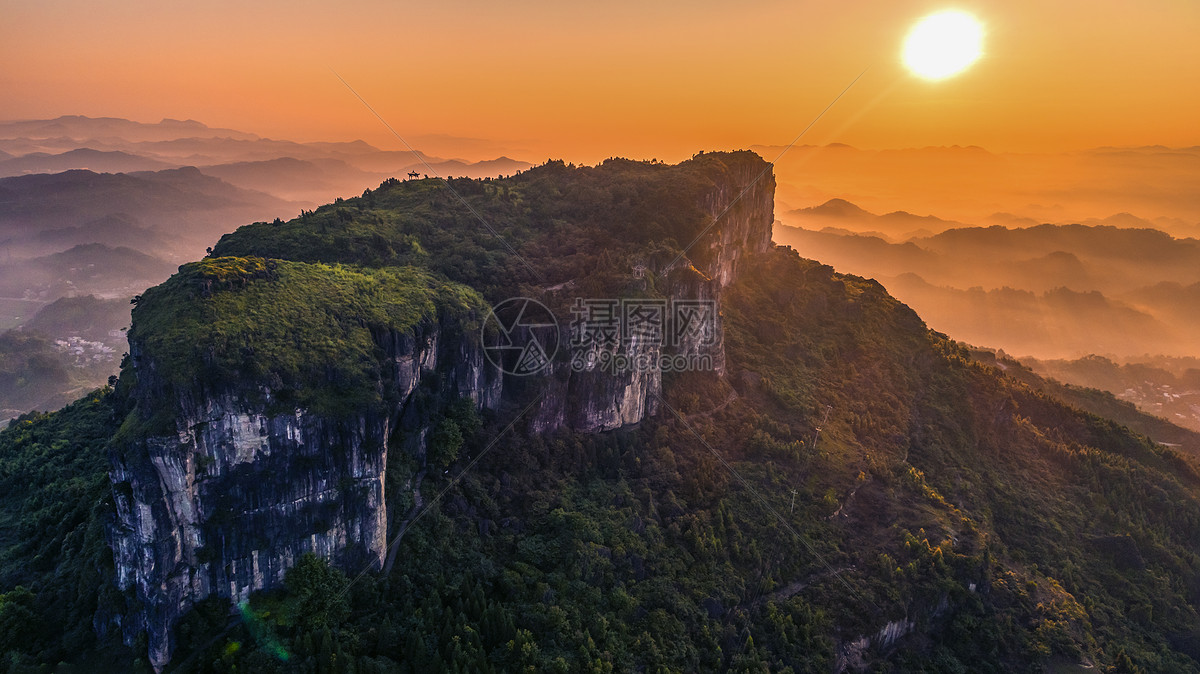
x=317 y=593
x=1122 y=664
x=18 y=620
x=459 y=423
x=444 y=443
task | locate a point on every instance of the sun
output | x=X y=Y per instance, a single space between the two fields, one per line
x=943 y=44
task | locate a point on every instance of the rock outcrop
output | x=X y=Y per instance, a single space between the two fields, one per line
x=228 y=502
x=599 y=397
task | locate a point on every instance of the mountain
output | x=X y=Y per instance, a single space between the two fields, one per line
x=1049 y=291
x=1159 y=387
x=307 y=174
x=186 y=206
x=835 y=208
x=868 y=254
x=1181 y=303
x=32 y=375
x=841 y=214
x=84 y=158
x=348 y=439
x=80 y=127
x=1009 y=220
x=92 y=268
x=85 y=316
x=208 y=151
x=113 y=229
x=1057 y=323
x=296 y=179
x=69 y=347
x=1100 y=241
x=1104 y=388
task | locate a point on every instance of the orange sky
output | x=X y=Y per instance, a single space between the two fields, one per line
x=638 y=78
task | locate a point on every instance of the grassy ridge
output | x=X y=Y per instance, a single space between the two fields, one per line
x=558 y=218
x=302 y=330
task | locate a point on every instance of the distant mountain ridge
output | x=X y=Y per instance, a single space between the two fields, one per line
x=100 y=161
x=308 y=172
x=1008 y=287
x=971 y=185
x=840 y=213
x=82 y=128
x=187 y=209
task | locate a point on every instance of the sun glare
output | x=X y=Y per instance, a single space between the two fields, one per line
x=943 y=44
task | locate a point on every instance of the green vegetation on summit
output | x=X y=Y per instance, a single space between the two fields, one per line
x=562 y=220
x=302 y=330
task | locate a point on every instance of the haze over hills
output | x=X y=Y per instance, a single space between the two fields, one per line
x=1097 y=257
x=974 y=185
x=1168 y=388
x=1050 y=291
x=189 y=209
x=1059 y=323
x=840 y=214
x=67 y=348
x=293 y=178
x=77 y=128
x=100 y=161
x=1119 y=287
x=90 y=268
x=309 y=173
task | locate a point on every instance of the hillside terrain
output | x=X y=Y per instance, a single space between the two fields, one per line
x=1168 y=388
x=66 y=349
x=308 y=463
x=1046 y=291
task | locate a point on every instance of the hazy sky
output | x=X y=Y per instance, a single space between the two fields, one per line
x=586 y=80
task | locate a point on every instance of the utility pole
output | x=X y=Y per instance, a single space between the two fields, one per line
x=817 y=433
x=793 y=501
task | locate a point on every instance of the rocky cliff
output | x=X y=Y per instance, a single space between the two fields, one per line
x=239 y=476
x=268 y=394
x=738 y=211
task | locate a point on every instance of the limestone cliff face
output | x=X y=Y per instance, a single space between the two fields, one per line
x=242 y=485
x=740 y=211
x=227 y=503
x=743 y=208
